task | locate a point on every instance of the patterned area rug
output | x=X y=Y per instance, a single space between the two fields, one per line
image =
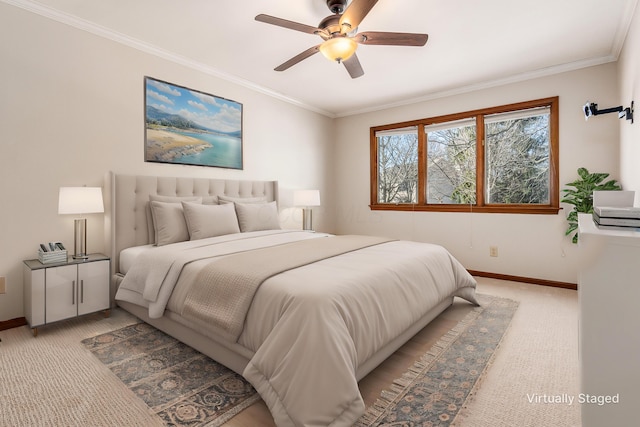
x=179 y=384
x=436 y=388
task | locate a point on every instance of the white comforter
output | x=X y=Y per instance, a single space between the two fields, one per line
x=311 y=327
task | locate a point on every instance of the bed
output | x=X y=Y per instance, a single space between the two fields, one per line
x=302 y=316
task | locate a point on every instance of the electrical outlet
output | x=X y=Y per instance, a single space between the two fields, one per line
x=493 y=251
x=3 y=283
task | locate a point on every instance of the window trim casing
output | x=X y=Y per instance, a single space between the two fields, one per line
x=554 y=192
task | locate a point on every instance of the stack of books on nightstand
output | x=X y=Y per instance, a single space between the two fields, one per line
x=623 y=218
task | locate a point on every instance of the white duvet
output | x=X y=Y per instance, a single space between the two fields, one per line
x=311 y=327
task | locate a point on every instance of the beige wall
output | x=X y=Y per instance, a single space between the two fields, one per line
x=71 y=109
x=629 y=78
x=528 y=245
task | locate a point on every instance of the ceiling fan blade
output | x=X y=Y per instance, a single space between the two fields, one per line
x=353 y=66
x=391 y=39
x=299 y=57
x=355 y=13
x=288 y=24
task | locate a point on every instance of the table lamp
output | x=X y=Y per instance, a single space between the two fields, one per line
x=306 y=199
x=78 y=201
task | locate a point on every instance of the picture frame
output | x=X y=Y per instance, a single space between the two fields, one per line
x=190 y=127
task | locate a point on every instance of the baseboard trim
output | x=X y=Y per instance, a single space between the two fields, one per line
x=543 y=282
x=13 y=323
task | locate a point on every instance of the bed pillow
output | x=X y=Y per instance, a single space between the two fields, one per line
x=257 y=216
x=174 y=199
x=168 y=222
x=151 y=227
x=209 y=200
x=210 y=220
x=227 y=199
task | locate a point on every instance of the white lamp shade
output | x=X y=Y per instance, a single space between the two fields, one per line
x=80 y=200
x=306 y=198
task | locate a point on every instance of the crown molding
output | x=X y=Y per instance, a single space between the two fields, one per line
x=148 y=48
x=616 y=49
x=123 y=39
x=529 y=75
x=623 y=29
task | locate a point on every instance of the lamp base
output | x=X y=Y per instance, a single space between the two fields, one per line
x=80 y=239
x=307 y=219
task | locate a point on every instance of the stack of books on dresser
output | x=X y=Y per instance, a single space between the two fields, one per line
x=623 y=218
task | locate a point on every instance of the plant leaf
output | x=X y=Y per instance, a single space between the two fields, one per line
x=582 y=196
x=583 y=173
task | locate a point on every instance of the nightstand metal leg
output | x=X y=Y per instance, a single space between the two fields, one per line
x=34 y=331
x=107 y=313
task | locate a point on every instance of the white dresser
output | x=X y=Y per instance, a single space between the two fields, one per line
x=609 y=295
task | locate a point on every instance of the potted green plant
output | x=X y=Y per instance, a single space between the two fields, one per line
x=581 y=196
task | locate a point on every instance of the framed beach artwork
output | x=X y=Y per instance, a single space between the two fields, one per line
x=188 y=127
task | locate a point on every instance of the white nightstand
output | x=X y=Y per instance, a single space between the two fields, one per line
x=59 y=291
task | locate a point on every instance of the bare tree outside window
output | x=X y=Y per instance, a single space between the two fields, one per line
x=398 y=167
x=451 y=164
x=517 y=153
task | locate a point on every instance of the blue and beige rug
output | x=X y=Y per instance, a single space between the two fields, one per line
x=436 y=387
x=180 y=385
x=185 y=388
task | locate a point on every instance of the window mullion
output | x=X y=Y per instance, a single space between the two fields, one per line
x=554 y=153
x=422 y=165
x=373 y=172
x=480 y=160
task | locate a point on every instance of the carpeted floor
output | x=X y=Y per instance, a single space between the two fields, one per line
x=53 y=380
x=539 y=355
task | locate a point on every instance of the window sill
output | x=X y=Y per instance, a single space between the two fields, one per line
x=512 y=209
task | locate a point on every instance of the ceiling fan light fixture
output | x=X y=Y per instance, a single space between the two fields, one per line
x=338 y=48
x=340 y=35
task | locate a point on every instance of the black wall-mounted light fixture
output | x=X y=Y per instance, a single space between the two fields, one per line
x=591 y=109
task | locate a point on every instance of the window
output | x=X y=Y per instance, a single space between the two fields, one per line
x=451 y=162
x=501 y=159
x=517 y=157
x=398 y=165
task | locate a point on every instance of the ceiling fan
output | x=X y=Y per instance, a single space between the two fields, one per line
x=341 y=39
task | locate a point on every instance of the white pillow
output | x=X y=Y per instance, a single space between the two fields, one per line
x=209 y=200
x=174 y=199
x=258 y=216
x=169 y=223
x=151 y=226
x=228 y=199
x=210 y=220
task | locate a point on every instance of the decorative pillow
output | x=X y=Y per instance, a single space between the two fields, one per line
x=209 y=200
x=257 y=216
x=151 y=227
x=174 y=199
x=227 y=199
x=169 y=223
x=210 y=220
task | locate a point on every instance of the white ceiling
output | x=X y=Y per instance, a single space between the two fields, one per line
x=472 y=44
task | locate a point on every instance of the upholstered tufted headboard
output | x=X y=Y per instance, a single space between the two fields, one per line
x=127 y=197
